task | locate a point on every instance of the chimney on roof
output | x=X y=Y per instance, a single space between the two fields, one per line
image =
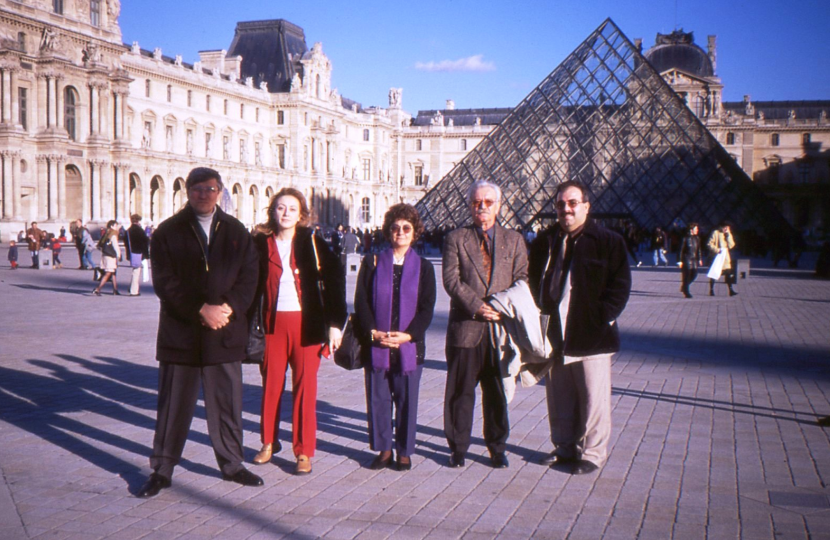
x=450 y=105
x=713 y=53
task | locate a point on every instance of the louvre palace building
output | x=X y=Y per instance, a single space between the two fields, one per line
x=96 y=129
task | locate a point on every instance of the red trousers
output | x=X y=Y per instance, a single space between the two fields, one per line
x=282 y=348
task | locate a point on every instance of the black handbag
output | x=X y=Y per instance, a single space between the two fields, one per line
x=255 y=346
x=348 y=355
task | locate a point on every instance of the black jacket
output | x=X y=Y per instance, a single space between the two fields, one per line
x=137 y=241
x=317 y=317
x=690 y=254
x=600 y=286
x=184 y=279
x=364 y=298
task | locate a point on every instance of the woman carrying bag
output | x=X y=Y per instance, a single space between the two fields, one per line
x=394 y=302
x=303 y=287
x=110 y=253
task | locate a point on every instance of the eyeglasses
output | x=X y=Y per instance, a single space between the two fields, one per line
x=204 y=190
x=405 y=228
x=573 y=203
x=486 y=203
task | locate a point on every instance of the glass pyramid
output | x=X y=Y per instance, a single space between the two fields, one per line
x=605 y=117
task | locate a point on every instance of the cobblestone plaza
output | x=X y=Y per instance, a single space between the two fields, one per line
x=715 y=408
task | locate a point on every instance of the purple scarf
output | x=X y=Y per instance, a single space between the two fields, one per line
x=382 y=305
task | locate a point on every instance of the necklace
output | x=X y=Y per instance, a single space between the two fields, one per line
x=398 y=261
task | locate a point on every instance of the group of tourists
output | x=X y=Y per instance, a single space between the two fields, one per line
x=556 y=310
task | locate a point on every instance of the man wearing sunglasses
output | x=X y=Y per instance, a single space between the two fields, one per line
x=480 y=259
x=579 y=274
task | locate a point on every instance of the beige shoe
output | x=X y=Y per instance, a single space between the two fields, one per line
x=303 y=465
x=264 y=455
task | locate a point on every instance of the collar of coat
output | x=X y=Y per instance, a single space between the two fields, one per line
x=590 y=229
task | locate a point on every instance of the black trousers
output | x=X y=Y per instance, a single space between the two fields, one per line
x=178 y=392
x=466 y=368
x=688 y=275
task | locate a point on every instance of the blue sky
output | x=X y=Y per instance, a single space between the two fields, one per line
x=489 y=53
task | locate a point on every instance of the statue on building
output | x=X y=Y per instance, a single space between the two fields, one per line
x=226 y=148
x=91 y=53
x=178 y=61
x=822 y=117
x=450 y=122
x=296 y=84
x=249 y=82
x=113 y=10
x=395 y=95
x=263 y=85
x=257 y=155
x=208 y=141
x=437 y=119
x=760 y=115
x=478 y=121
x=189 y=142
x=135 y=49
x=168 y=138
x=48 y=40
x=243 y=152
x=146 y=136
x=157 y=54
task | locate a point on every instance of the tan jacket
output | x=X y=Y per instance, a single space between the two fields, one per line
x=718 y=242
x=465 y=281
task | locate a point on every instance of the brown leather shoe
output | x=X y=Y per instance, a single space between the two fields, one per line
x=303 y=465
x=264 y=455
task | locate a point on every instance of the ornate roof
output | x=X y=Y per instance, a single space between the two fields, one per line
x=678 y=51
x=270 y=51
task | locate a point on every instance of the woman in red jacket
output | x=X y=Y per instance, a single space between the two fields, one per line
x=304 y=291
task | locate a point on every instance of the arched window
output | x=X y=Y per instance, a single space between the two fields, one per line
x=70 y=103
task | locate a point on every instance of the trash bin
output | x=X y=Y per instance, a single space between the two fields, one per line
x=742 y=268
x=45 y=258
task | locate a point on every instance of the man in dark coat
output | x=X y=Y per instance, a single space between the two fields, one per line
x=138 y=249
x=579 y=273
x=690 y=259
x=205 y=272
x=479 y=260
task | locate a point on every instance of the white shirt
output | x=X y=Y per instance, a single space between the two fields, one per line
x=287 y=299
x=205 y=221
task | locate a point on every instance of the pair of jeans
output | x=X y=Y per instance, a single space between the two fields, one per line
x=86 y=260
x=662 y=255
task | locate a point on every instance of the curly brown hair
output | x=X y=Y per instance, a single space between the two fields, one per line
x=406 y=212
x=271 y=226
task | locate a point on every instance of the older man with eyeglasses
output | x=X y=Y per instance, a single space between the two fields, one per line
x=480 y=259
x=579 y=273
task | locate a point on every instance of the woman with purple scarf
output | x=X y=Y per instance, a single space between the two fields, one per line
x=394 y=301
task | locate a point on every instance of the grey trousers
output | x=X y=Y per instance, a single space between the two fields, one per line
x=579 y=409
x=178 y=392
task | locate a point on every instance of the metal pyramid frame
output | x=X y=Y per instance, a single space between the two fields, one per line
x=605 y=117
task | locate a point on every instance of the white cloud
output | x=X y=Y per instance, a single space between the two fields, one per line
x=471 y=63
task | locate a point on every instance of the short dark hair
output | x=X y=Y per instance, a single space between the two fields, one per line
x=202 y=174
x=135 y=218
x=693 y=225
x=573 y=184
x=405 y=212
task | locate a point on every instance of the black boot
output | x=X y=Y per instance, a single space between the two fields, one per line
x=732 y=291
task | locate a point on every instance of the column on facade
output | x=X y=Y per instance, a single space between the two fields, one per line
x=8 y=203
x=13 y=90
x=103 y=111
x=42 y=170
x=52 y=213
x=59 y=102
x=105 y=182
x=122 y=129
x=16 y=188
x=50 y=106
x=93 y=108
x=7 y=105
x=60 y=163
x=94 y=191
x=117 y=118
x=42 y=104
x=122 y=199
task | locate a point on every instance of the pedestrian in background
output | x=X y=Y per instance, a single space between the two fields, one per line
x=13 y=254
x=690 y=259
x=56 y=252
x=659 y=243
x=34 y=238
x=138 y=250
x=722 y=241
x=89 y=248
x=110 y=253
x=394 y=302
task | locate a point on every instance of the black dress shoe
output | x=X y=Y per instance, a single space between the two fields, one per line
x=379 y=463
x=553 y=459
x=499 y=460
x=584 y=467
x=456 y=460
x=153 y=485
x=244 y=477
x=401 y=465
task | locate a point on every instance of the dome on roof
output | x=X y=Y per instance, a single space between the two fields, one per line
x=678 y=51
